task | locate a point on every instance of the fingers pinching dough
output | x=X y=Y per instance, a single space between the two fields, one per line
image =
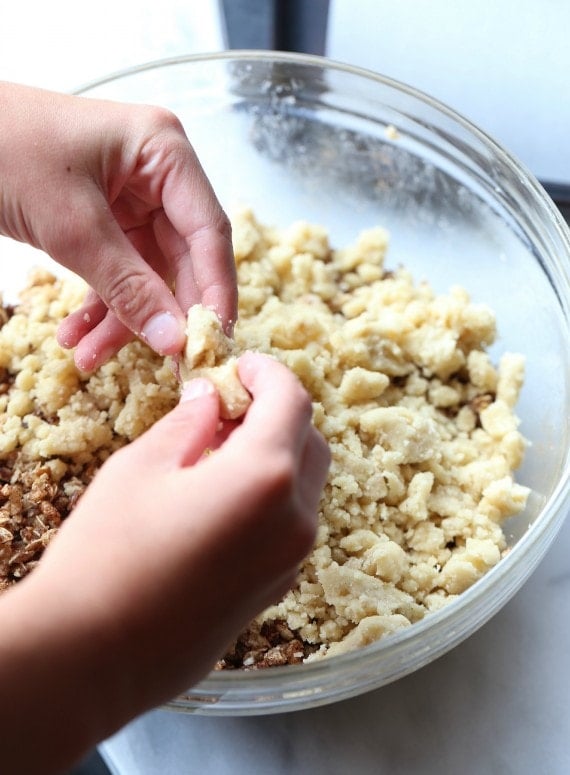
x=210 y=353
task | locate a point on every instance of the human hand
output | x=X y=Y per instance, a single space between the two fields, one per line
x=115 y=193
x=168 y=555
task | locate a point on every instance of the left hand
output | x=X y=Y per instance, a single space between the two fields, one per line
x=115 y=193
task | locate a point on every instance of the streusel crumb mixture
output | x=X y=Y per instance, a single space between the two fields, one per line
x=421 y=426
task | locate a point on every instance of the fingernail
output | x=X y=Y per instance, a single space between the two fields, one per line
x=163 y=333
x=196 y=388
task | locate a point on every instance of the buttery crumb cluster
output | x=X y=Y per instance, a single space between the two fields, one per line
x=421 y=425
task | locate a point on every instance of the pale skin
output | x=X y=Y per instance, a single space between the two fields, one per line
x=159 y=567
x=116 y=193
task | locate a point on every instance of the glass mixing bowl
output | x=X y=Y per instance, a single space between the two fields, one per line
x=299 y=137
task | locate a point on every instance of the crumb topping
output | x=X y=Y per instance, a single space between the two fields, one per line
x=421 y=424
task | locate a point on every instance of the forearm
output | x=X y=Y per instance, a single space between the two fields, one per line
x=55 y=670
x=9 y=124
x=28 y=117
x=158 y=568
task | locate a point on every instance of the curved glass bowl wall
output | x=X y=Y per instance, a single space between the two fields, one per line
x=302 y=138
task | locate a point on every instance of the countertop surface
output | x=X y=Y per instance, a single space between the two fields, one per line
x=498 y=703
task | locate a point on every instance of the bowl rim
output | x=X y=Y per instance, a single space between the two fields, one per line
x=316 y=60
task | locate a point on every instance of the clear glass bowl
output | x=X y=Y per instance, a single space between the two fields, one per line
x=299 y=137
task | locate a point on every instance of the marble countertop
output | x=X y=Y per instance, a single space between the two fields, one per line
x=499 y=703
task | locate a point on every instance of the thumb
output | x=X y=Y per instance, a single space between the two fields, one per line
x=182 y=436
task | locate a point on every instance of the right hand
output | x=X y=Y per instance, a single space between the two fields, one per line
x=172 y=550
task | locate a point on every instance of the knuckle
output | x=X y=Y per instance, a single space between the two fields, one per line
x=223 y=225
x=126 y=294
x=164 y=119
x=214 y=220
x=164 y=138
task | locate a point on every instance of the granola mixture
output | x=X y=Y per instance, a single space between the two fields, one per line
x=421 y=425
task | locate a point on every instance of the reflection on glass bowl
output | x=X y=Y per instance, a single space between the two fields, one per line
x=303 y=138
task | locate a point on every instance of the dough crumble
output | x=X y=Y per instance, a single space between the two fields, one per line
x=421 y=424
x=210 y=353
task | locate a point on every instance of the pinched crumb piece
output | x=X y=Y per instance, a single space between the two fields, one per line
x=210 y=353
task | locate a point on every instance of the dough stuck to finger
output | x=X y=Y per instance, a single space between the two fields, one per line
x=211 y=354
